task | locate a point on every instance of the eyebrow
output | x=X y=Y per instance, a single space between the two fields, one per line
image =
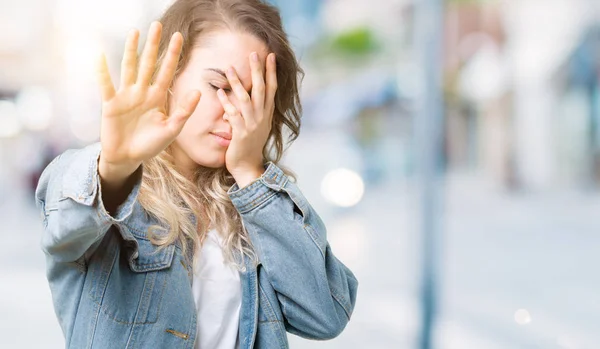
x=218 y=71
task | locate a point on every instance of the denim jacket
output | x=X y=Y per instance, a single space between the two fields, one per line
x=112 y=288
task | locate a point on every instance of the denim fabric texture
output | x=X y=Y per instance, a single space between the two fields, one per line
x=112 y=288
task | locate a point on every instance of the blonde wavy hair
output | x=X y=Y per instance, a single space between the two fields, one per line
x=167 y=194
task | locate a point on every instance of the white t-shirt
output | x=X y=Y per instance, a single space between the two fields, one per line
x=218 y=297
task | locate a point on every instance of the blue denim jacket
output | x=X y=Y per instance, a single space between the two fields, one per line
x=112 y=289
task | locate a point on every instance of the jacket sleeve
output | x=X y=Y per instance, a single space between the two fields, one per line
x=71 y=207
x=316 y=291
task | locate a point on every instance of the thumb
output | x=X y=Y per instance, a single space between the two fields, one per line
x=184 y=110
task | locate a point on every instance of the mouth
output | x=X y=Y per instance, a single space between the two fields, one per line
x=222 y=140
x=225 y=135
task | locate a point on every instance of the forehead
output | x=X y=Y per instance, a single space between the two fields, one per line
x=224 y=49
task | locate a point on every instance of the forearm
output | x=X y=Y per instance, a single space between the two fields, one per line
x=117 y=182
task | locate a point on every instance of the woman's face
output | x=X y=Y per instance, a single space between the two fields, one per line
x=196 y=145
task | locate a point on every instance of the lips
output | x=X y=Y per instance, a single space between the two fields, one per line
x=225 y=135
x=222 y=138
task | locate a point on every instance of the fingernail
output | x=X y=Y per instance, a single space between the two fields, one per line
x=221 y=93
x=254 y=56
x=273 y=58
x=230 y=71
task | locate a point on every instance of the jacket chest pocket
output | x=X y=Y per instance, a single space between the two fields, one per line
x=131 y=292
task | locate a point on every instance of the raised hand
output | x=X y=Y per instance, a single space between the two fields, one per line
x=135 y=125
x=251 y=123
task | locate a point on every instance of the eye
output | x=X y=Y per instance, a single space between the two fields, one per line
x=216 y=88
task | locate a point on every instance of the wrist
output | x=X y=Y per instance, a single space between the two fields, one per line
x=115 y=173
x=243 y=178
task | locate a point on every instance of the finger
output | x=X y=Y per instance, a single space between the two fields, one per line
x=271 y=79
x=107 y=89
x=184 y=110
x=237 y=124
x=233 y=116
x=258 y=82
x=229 y=108
x=241 y=94
x=129 y=62
x=167 y=70
x=148 y=62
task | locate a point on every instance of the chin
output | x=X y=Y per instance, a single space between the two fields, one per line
x=201 y=153
x=205 y=160
x=214 y=165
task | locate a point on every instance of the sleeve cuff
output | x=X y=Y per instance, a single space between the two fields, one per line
x=273 y=180
x=82 y=183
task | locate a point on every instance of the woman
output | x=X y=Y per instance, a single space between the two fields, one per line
x=178 y=229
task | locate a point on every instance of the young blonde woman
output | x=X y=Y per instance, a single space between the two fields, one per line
x=179 y=229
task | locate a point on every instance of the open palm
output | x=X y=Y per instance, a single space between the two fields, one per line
x=135 y=125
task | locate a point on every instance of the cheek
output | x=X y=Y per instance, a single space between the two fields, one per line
x=211 y=105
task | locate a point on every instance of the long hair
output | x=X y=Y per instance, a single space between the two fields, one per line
x=189 y=208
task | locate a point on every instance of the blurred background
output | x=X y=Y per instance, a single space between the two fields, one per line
x=512 y=218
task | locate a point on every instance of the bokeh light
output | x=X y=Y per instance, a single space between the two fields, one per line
x=34 y=105
x=342 y=187
x=522 y=317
